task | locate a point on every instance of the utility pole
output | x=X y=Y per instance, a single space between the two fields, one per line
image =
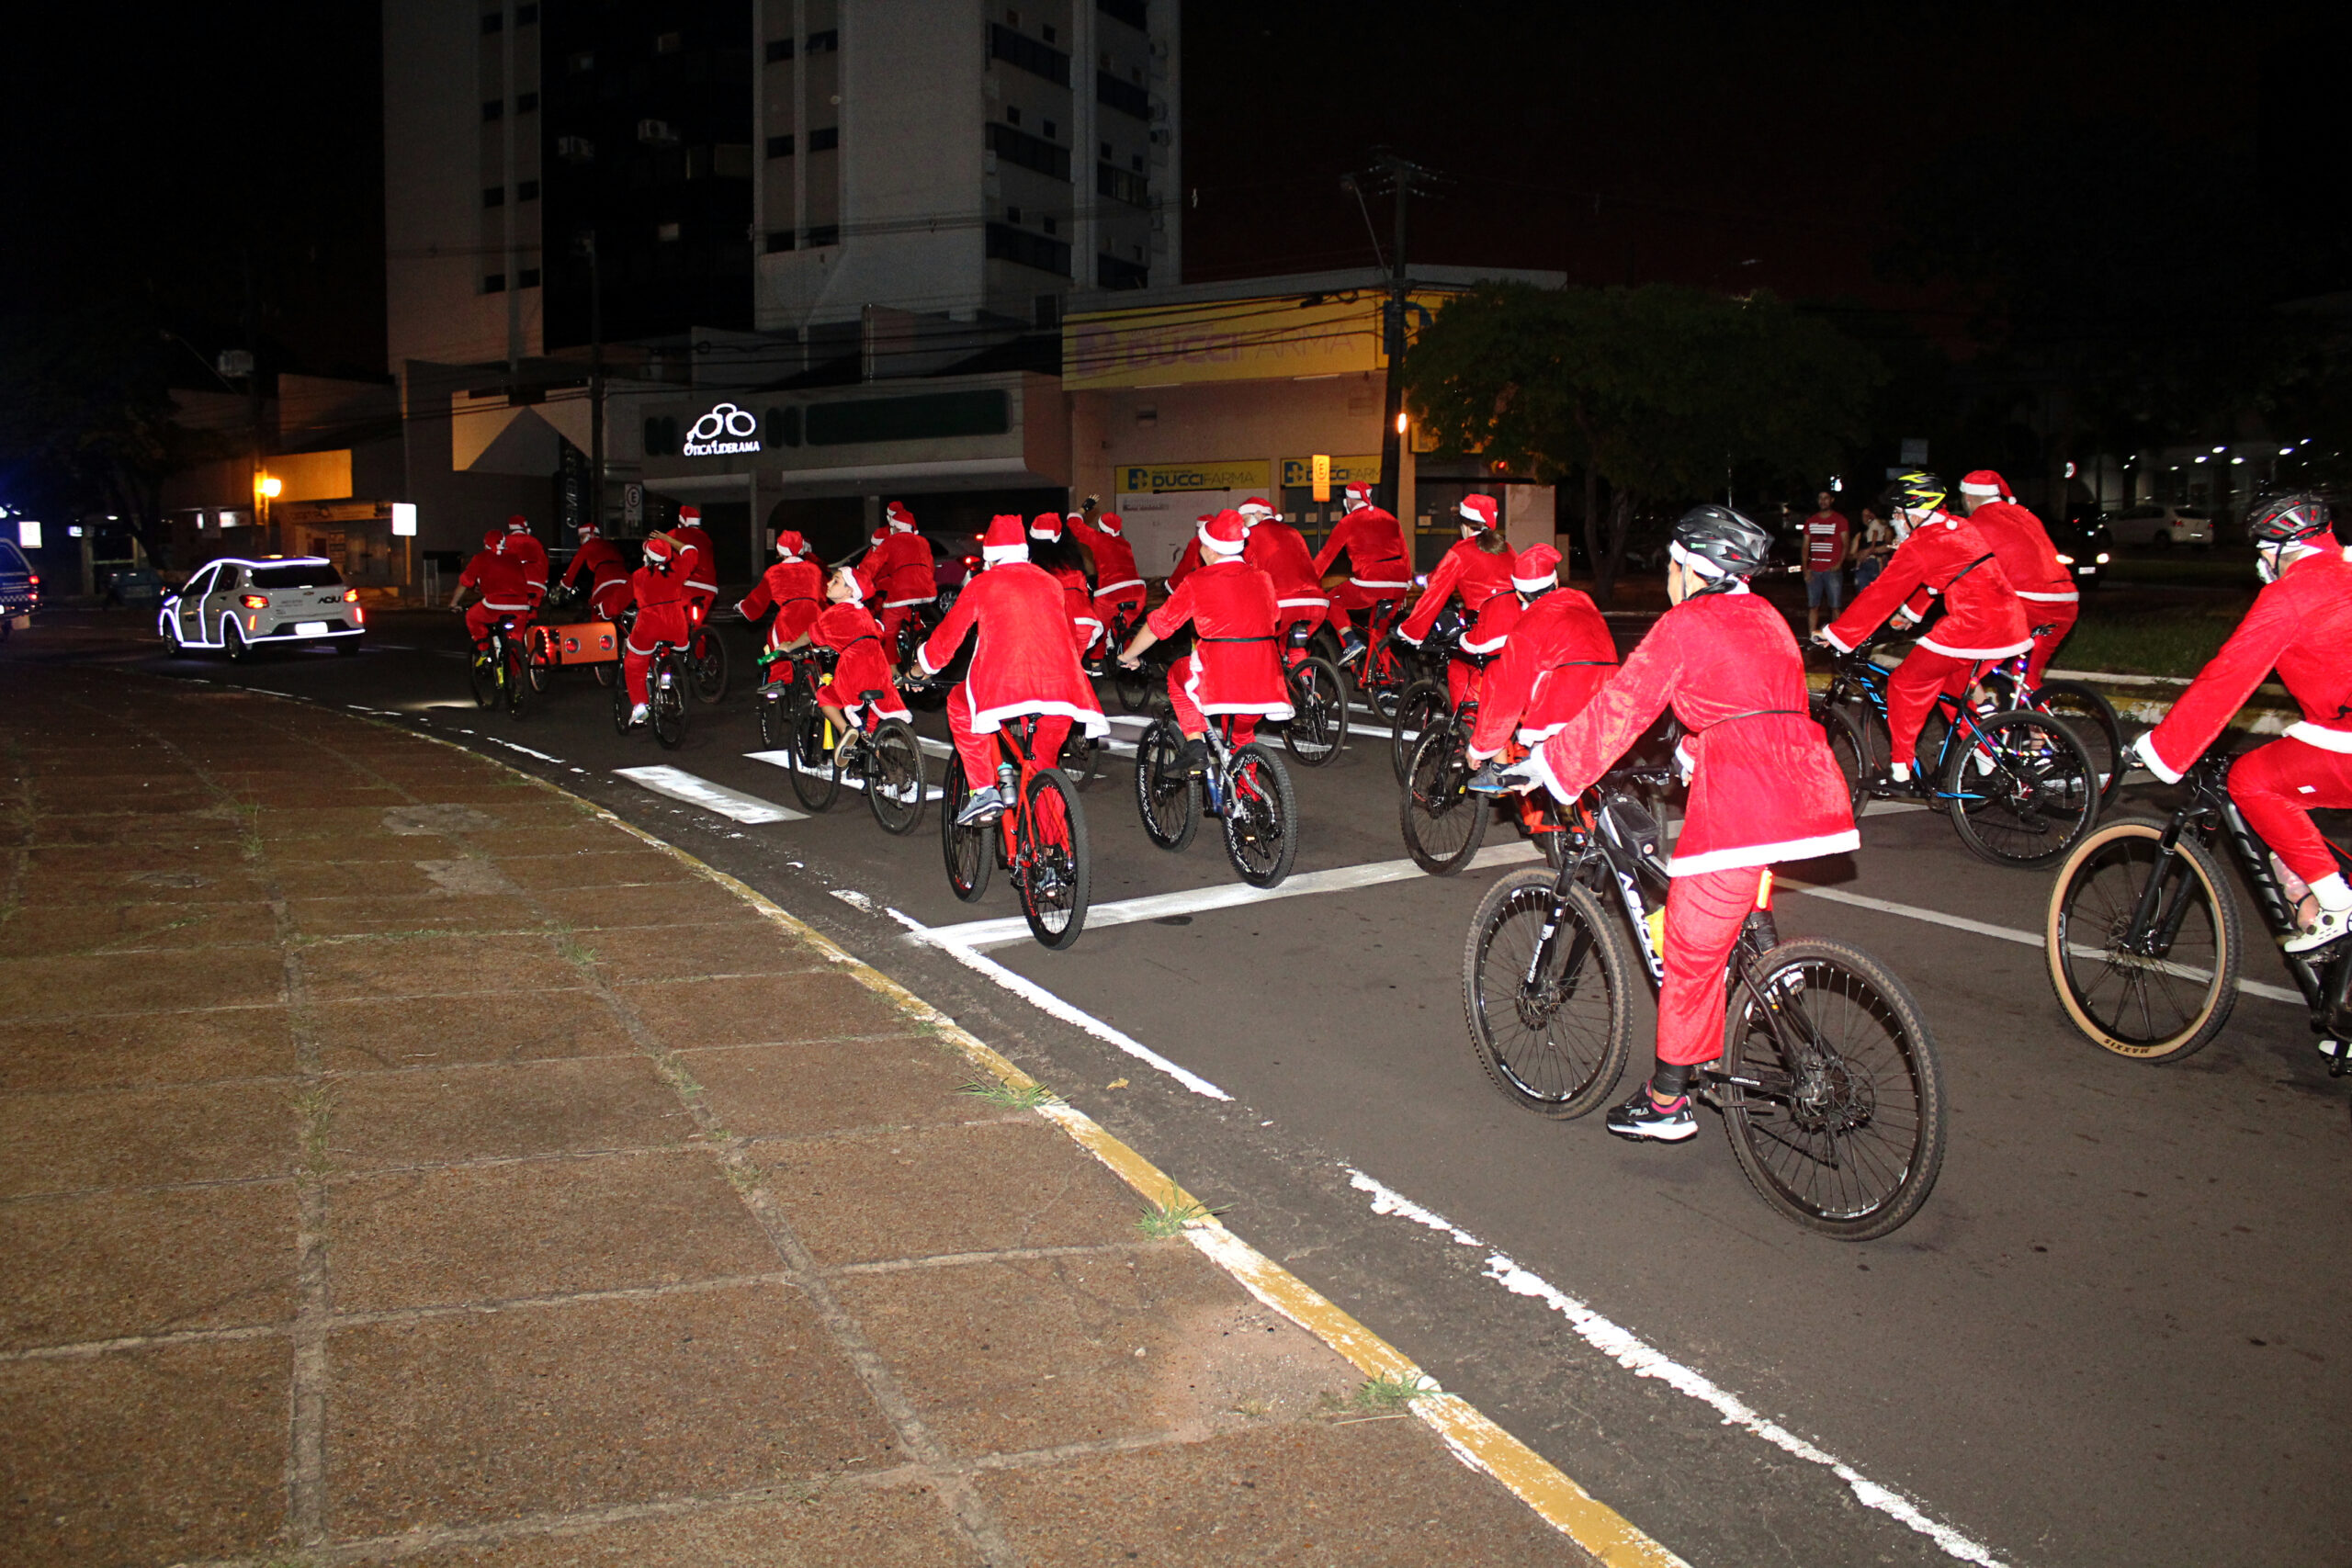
x=1402 y=180
x=595 y=383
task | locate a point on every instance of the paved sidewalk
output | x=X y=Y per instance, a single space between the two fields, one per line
x=400 y=1160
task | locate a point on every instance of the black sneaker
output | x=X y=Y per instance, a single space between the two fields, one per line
x=1643 y=1118
x=1195 y=757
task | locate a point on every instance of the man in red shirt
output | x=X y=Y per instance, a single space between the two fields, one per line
x=1378 y=568
x=660 y=591
x=497 y=575
x=1826 y=544
x=1236 y=665
x=2030 y=561
x=607 y=572
x=2301 y=625
x=1763 y=785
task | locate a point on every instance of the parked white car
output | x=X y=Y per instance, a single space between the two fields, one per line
x=2149 y=523
x=237 y=606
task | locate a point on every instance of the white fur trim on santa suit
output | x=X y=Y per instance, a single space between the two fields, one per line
x=1373 y=582
x=997 y=555
x=1833 y=639
x=2067 y=598
x=2003 y=651
x=2315 y=735
x=1532 y=738
x=1115 y=587
x=1485 y=647
x=1276 y=711
x=1544 y=584
x=504 y=609
x=1741 y=855
x=1088 y=719
x=901 y=603
x=1988 y=490
x=1317 y=602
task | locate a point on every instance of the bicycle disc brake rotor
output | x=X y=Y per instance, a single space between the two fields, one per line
x=1831 y=1097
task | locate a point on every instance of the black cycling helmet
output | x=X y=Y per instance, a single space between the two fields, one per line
x=1722 y=540
x=2288 y=519
x=1914 y=490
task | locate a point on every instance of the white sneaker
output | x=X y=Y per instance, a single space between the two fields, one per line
x=2325 y=927
x=637 y=714
x=2333 y=1049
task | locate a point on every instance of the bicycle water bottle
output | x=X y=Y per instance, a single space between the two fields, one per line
x=1008 y=779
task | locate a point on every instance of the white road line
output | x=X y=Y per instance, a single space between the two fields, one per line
x=679 y=785
x=784 y=760
x=1046 y=1001
x=542 y=756
x=1630 y=1351
x=979 y=935
x=2006 y=933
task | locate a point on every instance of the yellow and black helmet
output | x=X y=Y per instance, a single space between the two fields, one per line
x=1914 y=490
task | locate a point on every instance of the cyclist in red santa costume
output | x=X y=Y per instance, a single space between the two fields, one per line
x=1556 y=656
x=1116 y=581
x=1280 y=551
x=1378 y=568
x=1235 y=666
x=897 y=573
x=607 y=570
x=794 y=588
x=2029 y=561
x=864 y=665
x=1763 y=785
x=1477 y=572
x=697 y=562
x=660 y=591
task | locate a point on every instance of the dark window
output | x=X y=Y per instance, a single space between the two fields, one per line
x=924 y=418
x=824 y=234
x=1106 y=151
x=495 y=196
x=526 y=190
x=1012 y=114
x=779 y=50
x=495 y=108
x=304 y=574
x=825 y=140
x=780 y=428
x=492 y=21
x=1047 y=32
x=1128 y=11
x=780 y=146
x=669 y=43
x=1049 y=224
x=494 y=284
x=1049 y=309
x=526 y=14
x=1020 y=50
x=528 y=277
x=660 y=437
x=1124 y=97
x=1012 y=215
x=584 y=62
x=1048 y=128
x=525 y=103
x=1110 y=272
x=1134 y=162
x=1029 y=152
x=825 y=42
x=1007 y=243
x=1120 y=185
x=779 y=239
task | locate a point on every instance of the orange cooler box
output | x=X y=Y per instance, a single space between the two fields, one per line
x=581 y=642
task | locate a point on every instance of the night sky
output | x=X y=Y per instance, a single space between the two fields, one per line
x=1723 y=146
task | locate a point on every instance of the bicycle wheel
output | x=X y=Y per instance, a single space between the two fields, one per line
x=894 y=781
x=666 y=695
x=775 y=703
x=816 y=777
x=482 y=677
x=1553 y=1042
x=1319 y=724
x=1051 y=861
x=1131 y=687
x=708 y=661
x=970 y=852
x=1166 y=797
x=1444 y=822
x=1261 y=818
x=2022 y=792
x=1081 y=754
x=607 y=673
x=620 y=707
x=2083 y=709
x=1836 y=1115
x=2157 y=997
x=1846 y=745
x=1423 y=704
x=518 y=681
x=541 y=649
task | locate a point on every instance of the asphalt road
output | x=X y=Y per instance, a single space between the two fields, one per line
x=2112 y=1337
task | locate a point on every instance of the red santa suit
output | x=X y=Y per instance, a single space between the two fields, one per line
x=1280 y=551
x=2031 y=563
x=864 y=666
x=698 y=560
x=663 y=607
x=1189 y=561
x=794 y=589
x=607 y=572
x=506 y=591
x=1236 y=665
x=524 y=548
x=1378 y=568
x=1763 y=785
x=1557 y=655
x=896 y=575
x=1116 y=580
x=2301 y=625
x=1078 y=594
x=1945 y=557
x=1023 y=662
x=1482 y=582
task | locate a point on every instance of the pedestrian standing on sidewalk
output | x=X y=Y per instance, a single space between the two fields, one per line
x=1872 y=544
x=1827 y=540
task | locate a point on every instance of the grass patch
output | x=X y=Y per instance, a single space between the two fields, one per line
x=2153 y=642
x=1024 y=1097
x=1388 y=1395
x=1169 y=1216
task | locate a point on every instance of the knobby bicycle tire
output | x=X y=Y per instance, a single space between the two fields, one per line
x=706 y=660
x=2022 y=792
x=775 y=703
x=1167 y=799
x=1847 y=1143
x=1423 y=704
x=517 y=680
x=666 y=695
x=621 y=705
x=969 y=852
x=1846 y=745
x=1261 y=818
x=1056 y=871
x=2150 y=1007
x=816 y=777
x=1555 y=1047
x=2086 y=710
x=1318 y=722
x=893 y=777
x=1443 y=822
x=482 y=677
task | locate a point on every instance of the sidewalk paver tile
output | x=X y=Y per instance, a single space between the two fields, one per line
x=790 y=1091
x=144 y=1138
x=144 y=1457
x=599 y=867
x=146 y=1049
x=629 y=953
x=837 y=1527
x=351 y=970
x=538 y=1228
x=756 y=1010
x=481 y=1417
x=60 y=931
x=369 y=915
x=650 y=904
x=513 y=1026
x=113 y=1265
x=160 y=982
x=432 y=1116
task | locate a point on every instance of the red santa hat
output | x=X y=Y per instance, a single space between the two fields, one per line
x=494 y=540
x=1111 y=523
x=1005 y=539
x=1985 y=485
x=1255 y=510
x=897 y=516
x=588 y=529
x=659 y=546
x=790 y=544
x=690 y=516
x=1226 y=533
x=1046 y=526
x=518 y=524
x=1536 y=569
x=1479 y=511
x=848 y=580
x=1359 y=495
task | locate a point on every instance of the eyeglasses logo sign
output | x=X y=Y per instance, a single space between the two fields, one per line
x=725 y=429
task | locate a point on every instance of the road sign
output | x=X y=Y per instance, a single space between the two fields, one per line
x=633 y=507
x=1321 y=468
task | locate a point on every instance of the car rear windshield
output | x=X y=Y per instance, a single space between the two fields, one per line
x=2188 y=516
x=314 y=574
x=10 y=560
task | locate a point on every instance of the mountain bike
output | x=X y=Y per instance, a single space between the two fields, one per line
x=2078 y=705
x=1827 y=1085
x=499 y=669
x=2143 y=938
x=883 y=758
x=1040 y=839
x=2019 y=785
x=1317 y=727
x=1246 y=787
x=1131 y=687
x=1428 y=697
x=706 y=660
x=667 y=682
x=1386 y=669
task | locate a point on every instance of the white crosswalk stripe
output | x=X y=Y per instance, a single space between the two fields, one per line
x=679 y=785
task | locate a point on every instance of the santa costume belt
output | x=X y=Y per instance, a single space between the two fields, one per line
x=1756 y=712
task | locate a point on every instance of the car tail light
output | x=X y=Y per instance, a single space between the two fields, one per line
x=358 y=617
x=351 y=596
x=255 y=602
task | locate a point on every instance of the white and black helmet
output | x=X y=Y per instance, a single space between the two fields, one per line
x=1719 y=546
x=2289 y=519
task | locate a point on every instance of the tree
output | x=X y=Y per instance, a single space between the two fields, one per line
x=1658 y=392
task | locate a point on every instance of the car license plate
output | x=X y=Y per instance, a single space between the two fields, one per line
x=310 y=629
x=2091 y=572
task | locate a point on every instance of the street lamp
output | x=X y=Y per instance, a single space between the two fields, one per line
x=266 y=490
